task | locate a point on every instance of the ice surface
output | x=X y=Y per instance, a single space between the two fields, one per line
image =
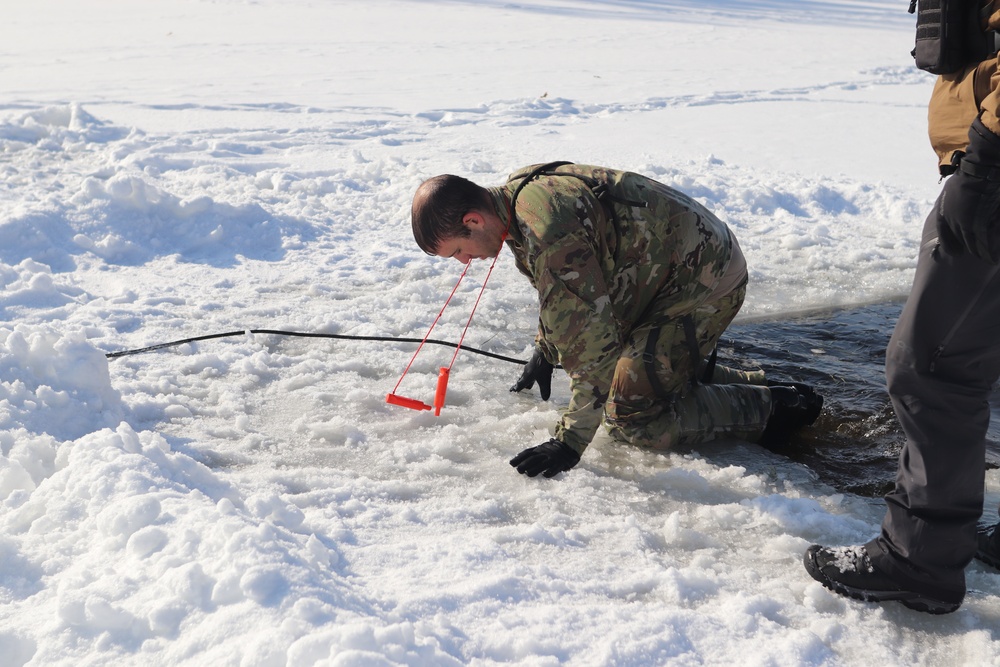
x=171 y=169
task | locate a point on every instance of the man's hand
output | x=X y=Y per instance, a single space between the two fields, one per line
x=549 y=458
x=536 y=370
x=968 y=212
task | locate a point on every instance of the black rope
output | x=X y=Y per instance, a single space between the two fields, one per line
x=382 y=339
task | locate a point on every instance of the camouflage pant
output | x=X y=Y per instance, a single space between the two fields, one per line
x=669 y=411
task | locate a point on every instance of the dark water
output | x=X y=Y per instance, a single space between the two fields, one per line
x=855 y=443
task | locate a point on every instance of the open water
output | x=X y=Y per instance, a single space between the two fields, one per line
x=854 y=445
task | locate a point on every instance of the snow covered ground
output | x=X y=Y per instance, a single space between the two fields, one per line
x=186 y=167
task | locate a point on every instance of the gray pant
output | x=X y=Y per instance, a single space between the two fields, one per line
x=941 y=363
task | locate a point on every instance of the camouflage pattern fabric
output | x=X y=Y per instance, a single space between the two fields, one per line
x=641 y=254
x=734 y=404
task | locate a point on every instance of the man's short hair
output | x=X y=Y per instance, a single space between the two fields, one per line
x=439 y=206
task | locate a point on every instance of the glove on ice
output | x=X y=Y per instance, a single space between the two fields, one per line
x=539 y=370
x=549 y=458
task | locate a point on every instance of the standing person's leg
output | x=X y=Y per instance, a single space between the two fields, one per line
x=942 y=361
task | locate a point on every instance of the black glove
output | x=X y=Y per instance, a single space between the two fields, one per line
x=968 y=211
x=539 y=370
x=549 y=458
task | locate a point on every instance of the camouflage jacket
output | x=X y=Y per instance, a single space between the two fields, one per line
x=607 y=252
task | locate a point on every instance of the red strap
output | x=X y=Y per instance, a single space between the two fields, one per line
x=444 y=374
x=433 y=324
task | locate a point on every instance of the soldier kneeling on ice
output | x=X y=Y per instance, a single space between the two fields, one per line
x=636 y=283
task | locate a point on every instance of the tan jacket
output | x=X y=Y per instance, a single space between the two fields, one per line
x=959 y=97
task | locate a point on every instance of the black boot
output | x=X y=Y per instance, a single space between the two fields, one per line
x=793 y=405
x=849 y=571
x=988 y=545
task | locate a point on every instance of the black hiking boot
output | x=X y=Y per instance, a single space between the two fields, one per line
x=793 y=405
x=988 y=545
x=848 y=571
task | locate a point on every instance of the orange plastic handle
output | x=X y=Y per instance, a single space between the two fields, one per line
x=442 y=388
x=410 y=403
x=414 y=404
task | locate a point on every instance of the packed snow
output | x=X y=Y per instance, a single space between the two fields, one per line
x=177 y=168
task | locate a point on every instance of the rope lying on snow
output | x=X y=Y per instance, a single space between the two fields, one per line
x=381 y=339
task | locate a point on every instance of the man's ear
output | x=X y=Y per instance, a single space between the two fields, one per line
x=473 y=220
